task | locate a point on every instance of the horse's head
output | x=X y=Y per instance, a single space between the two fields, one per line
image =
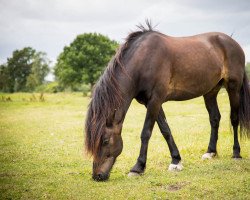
x=110 y=148
x=104 y=120
x=103 y=140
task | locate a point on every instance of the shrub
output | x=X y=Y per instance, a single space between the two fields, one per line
x=52 y=87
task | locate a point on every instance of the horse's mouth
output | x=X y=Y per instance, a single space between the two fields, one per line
x=100 y=177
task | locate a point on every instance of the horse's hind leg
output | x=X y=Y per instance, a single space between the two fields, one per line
x=233 y=89
x=165 y=130
x=214 y=117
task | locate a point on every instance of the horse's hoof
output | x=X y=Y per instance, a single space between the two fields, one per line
x=131 y=174
x=173 y=167
x=208 y=156
x=237 y=157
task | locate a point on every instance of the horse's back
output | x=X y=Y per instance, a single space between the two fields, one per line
x=187 y=67
x=215 y=47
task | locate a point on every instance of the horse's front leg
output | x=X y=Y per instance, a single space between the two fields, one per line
x=153 y=108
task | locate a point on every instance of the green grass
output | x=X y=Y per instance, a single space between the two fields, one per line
x=42 y=157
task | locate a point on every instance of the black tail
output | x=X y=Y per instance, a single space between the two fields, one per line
x=244 y=110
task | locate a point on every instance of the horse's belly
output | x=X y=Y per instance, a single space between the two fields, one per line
x=188 y=86
x=181 y=95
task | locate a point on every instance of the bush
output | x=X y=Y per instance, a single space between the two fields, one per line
x=84 y=88
x=52 y=87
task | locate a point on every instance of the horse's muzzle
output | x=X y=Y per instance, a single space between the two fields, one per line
x=102 y=169
x=100 y=177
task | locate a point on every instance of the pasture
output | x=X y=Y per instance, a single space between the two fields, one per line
x=42 y=157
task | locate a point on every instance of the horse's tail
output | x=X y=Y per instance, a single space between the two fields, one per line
x=244 y=109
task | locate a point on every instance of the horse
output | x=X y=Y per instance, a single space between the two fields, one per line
x=154 y=68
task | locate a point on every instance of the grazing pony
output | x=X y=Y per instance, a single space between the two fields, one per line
x=154 y=68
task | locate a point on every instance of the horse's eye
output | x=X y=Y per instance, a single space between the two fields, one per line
x=105 y=142
x=109 y=124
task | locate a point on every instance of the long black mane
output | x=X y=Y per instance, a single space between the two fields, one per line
x=107 y=95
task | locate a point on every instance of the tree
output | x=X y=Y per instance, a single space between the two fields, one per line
x=39 y=70
x=3 y=77
x=18 y=68
x=84 y=59
x=25 y=70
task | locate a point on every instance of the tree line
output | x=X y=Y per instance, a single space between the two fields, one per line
x=24 y=71
x=77 y=68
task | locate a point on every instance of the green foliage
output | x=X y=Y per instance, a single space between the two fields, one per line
x=39 y=70
x=18 y=69
x=84 y=60
x=248 y=70
x=86 y=90
x=4 y=79
x=24 y=71
x=52 y=87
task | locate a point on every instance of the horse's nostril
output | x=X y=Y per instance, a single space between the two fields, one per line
x=99 y=176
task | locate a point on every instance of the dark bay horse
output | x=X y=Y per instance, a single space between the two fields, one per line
x=154 y=68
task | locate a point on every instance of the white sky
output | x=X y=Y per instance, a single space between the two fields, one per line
x=49 y=25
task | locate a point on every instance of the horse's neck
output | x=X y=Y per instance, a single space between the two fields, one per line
x=126 y=84
x=122 y=111
x=127 y=99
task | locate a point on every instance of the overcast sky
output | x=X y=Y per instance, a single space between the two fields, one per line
x=49 y=25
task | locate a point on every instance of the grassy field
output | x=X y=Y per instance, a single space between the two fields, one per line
x=42 y=157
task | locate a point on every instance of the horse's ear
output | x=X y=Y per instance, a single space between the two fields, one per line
x=110 y=120
x=119 y=117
